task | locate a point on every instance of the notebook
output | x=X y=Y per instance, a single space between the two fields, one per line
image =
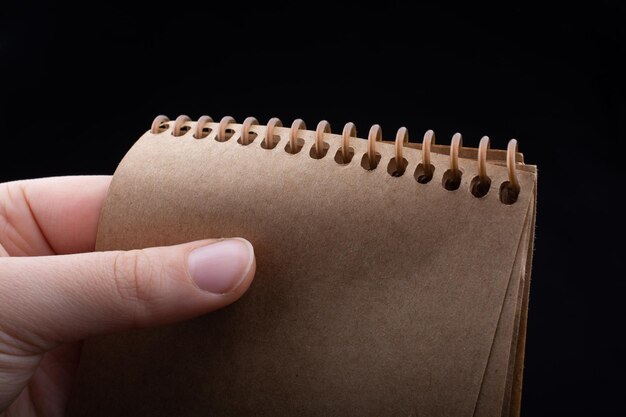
x=392 y=277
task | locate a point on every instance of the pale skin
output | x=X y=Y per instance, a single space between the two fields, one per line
x=55 y=291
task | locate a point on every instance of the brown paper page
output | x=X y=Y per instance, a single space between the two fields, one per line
x=510 y=406
x=374 y=295
x=492 y=398
x=514 y=386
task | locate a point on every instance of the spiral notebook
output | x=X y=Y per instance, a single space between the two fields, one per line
x=392 y=277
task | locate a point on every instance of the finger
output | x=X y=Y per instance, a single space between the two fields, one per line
x=53 y=299
x=51 y=215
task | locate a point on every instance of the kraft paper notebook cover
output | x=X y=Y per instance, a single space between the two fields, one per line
x=392 y=278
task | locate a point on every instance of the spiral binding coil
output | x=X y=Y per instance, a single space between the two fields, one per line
x=480 y=185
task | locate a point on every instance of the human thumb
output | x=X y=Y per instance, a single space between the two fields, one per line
x=48 y=300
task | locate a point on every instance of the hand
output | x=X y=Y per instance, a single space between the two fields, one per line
x=53 y=295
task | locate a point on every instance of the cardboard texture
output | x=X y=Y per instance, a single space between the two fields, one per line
x=374 y=295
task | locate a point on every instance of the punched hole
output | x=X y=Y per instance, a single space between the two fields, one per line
x=251 y=137
x=228 y=133
x=206 y=131
x=397 y=170
x=480 y=187
x=273 y=142
x=163 y=127
x=313 y=154
x=370 y=165
x=183 y=131
x=423 y=174
x=297 y=148
x=340 y=159
x=451 y=180
x=508 y=193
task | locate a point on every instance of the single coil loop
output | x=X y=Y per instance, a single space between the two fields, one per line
x=202 y=121
x=429 y=140
x=483 y=147
x=297 y=124
x=245 y=129
x=455 y=146
x=269 y=132
x=178 y=124
x=402 y=138
x=157 y=122
x=511 y=151
x=375 y=135
x=349 y=131
x=221 y=133
x=322 y=127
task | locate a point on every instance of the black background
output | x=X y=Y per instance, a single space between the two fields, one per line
x=81 y=84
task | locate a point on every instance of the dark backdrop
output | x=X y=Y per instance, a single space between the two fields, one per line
x=78 y=91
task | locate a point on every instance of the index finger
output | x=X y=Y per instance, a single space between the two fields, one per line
x=57 y=215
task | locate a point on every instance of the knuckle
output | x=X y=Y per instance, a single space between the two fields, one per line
x=133 y=279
